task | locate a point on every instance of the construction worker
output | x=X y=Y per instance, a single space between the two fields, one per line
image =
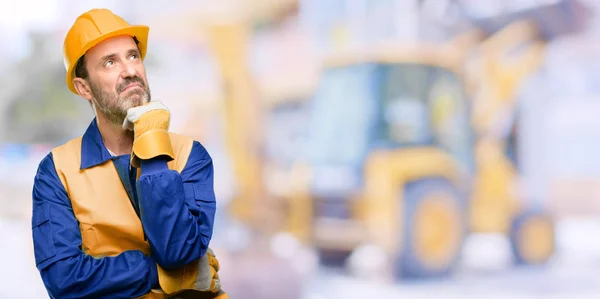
x=127 y=209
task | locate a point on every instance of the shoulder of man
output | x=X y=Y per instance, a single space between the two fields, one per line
x=186 y=149
x=68 y=152
x=64 y=156
x=72 y=146
x=186 y=144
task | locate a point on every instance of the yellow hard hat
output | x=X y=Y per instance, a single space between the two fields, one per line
x=90 y=29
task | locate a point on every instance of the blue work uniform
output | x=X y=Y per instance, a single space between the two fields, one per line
x=102 y=229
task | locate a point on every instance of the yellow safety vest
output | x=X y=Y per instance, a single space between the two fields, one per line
x=108 y=222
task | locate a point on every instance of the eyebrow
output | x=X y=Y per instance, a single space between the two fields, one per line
x=114 y=55
x=133 y=51
x=107 y=57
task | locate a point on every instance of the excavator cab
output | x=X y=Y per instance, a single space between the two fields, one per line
x=364 y=106
x=405 y=105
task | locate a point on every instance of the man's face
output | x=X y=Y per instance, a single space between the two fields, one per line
x=117 y=77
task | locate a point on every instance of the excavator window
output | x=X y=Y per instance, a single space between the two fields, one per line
x=424 y=105
x=404 y=109
x=342 y=114
x=450 y=116
x=362 y=106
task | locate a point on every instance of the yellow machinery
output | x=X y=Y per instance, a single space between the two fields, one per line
x=496 y=204
x=261 y=129
x=244 y=111
x=407 y=151
x=390 y=152
x=241 y=106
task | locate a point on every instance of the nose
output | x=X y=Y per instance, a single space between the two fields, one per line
x=128 y=70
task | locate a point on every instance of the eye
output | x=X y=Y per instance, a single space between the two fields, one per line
x=134 y=56
x=109 y=63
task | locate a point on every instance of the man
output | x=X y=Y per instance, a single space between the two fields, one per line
x=126 y=210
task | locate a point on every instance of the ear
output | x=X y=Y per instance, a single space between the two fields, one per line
x=83 y=88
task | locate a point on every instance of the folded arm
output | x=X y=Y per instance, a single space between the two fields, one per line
x=178 y=209
x=67 y=272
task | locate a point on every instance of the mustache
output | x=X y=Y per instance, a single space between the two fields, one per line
x=130 y=80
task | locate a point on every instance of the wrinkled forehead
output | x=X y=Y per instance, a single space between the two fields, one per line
x=112 y=46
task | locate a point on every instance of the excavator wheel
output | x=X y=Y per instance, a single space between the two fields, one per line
x=434 y=229
x=532 y=238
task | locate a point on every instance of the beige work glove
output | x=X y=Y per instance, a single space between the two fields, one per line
x=150 y=126
x=201 y=276
x=207 y=279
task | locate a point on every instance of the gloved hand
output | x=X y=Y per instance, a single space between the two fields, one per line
x=200 y=277
x=208 y=273
x=150 y=124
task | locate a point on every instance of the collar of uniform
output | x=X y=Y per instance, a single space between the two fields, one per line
x=93 y=151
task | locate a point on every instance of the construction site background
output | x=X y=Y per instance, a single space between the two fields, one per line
x=286 y=44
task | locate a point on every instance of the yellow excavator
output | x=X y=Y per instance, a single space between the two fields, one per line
x=407 y=148
x=404 y=148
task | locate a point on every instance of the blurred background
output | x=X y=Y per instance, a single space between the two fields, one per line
x=362 y=148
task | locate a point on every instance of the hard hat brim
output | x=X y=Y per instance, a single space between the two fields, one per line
x=140 y=32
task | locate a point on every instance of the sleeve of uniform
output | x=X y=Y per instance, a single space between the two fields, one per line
x=178 y=210
x=67 y=272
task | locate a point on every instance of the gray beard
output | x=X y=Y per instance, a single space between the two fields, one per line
x=114 y=114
